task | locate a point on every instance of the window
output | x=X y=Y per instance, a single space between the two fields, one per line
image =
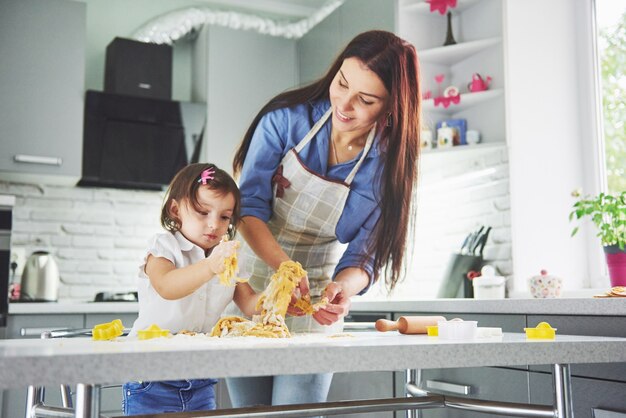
x=611 y=47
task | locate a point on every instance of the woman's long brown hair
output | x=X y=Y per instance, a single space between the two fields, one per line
x=395 y=62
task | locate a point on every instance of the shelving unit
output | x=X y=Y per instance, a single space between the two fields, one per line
x=477 y=29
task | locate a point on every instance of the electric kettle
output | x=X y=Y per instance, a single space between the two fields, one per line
x=40 y=279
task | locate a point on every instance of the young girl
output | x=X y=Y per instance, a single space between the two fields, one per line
x=178 y=284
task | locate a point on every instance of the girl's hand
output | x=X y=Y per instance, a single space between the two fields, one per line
x=300 y=291
x=219 y=253
x=337 y=308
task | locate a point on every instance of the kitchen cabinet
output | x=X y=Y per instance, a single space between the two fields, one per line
x=477 y=29
x=480 y=383
x=607 y=326
x=587 y=394
x=42 y=73
x=31 y=326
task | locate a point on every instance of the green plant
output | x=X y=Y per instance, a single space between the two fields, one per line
x=608 y=213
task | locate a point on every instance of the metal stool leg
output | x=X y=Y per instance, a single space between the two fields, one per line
x=66 y=396
x=84 y=396
x=34 y=396
x=413 y=377
x=562 y=391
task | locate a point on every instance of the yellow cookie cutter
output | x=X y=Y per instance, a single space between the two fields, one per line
x=432 y=330
x=542 y=331
x=153 y=331
x=108 y=331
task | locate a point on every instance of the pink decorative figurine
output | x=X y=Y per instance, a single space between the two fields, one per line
x=478 y=84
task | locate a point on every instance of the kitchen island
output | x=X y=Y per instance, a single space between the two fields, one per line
x=595 y=385
x=86 y=362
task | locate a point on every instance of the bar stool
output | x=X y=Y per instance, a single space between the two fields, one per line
x=87 y=396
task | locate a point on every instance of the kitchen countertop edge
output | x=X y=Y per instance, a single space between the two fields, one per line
x=564 y=306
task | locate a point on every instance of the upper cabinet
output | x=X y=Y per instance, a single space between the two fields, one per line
x=42 y=72
x=476 y=27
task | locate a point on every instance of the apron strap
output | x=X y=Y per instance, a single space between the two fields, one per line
x=313 y=130
x=368 y=145
x=318 y=125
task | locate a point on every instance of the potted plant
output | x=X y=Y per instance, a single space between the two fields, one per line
x=608 y=213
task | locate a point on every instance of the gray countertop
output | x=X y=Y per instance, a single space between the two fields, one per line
x=81 y=360
x=564 y=306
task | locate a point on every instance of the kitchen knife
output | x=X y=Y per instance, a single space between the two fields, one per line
x=474 y=240
x=481 y=242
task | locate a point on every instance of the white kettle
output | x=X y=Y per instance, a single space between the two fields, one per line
x=40 y=279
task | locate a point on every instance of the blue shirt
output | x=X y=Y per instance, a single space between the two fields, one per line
x=276 y=134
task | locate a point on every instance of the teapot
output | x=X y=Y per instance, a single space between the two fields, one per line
x=40 y=279
x=478 y=84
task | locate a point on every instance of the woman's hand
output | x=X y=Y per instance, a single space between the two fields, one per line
x=219 y=253
x=338 y=305
x=300 y=291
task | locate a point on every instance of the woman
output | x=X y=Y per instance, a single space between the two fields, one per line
x=327 y=172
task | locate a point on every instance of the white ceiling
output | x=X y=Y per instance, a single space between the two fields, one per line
x=288 y=9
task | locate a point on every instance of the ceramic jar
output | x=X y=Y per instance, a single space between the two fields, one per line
x=545 y=285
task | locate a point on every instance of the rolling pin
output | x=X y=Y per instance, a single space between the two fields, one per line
x=408 y=324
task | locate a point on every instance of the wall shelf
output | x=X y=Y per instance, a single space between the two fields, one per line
x=467 y=100
x=480 y=147
x=448 y=55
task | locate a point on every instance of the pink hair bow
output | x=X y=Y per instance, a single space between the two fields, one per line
x=206 y=175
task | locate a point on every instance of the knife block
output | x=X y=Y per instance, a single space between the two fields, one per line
x=456 y=275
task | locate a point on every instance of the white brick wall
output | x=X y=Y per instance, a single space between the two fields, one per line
x=459 y=191
x=98 y=235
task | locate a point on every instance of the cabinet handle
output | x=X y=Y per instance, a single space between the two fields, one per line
x=449 y=387
x=605 y=413
x=36 y=332
x=37 y=159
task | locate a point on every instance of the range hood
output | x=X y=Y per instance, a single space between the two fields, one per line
x=138 y=142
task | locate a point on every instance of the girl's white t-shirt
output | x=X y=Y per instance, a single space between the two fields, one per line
x=198 y=311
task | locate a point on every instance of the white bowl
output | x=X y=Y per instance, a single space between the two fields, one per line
x=456 y=329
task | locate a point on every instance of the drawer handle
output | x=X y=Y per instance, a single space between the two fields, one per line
x=449 y=387
x=36 y=332
x=37 y=159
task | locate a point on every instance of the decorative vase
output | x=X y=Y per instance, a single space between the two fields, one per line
x=449 y=37
x=616 y=262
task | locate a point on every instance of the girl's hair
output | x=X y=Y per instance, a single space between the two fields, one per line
x=395 y=62
x=185 y=186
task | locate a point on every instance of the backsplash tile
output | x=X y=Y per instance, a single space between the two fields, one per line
x=98 y=236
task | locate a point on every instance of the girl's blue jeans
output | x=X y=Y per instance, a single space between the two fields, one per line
x=168 y=396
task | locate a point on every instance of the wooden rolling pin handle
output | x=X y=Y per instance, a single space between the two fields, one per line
x=384 y=325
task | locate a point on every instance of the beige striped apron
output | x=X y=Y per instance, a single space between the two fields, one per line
x=303 y=222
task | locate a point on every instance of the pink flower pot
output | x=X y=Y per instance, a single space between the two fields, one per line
x=616 y=262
